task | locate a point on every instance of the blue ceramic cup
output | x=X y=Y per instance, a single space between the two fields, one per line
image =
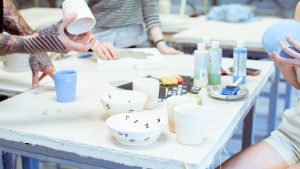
x=65 y=85
x=278 y=32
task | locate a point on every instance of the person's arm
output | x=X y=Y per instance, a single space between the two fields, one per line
x=49 y=39
x=13 y=22
x=160 y=44
x=152 y=22
x=296 y=166
x=287 y=70
x=288 y=65
x=297 y=12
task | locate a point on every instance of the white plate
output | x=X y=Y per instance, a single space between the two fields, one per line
x=214 y=91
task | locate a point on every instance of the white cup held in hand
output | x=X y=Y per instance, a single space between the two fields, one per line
x=174 y=101
x=85 y=20
x=189 y=122
x=150 y=87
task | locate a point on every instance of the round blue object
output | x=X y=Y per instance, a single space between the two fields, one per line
x=278 y=32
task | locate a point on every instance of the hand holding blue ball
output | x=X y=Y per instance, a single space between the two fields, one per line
x=278 y=33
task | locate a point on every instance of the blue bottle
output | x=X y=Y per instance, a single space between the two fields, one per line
x=240 y=62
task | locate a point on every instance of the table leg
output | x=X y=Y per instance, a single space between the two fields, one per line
x=248 y=129
x=29 y=163
x=288 y=92
x=273 y=102
x=1 y=159
x=8 y=160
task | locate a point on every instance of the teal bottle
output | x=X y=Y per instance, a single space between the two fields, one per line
x=214 y=64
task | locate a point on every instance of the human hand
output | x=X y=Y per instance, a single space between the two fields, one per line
x=54 y=38
x=106 y=50
x=165 y=49
x=283 y=62
x=40 y=62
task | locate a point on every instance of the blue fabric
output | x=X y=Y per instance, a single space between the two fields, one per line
x=231 y=13
x=230 y=91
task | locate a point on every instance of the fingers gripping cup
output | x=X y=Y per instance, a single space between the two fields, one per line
x=85 y=20
x=65 y=85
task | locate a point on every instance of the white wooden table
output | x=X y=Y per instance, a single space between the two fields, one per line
x=228 y=33
x=33 y=124
x=21 y=81
x=172 y=24
x=38 y=17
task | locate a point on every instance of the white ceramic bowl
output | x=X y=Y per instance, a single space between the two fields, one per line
x=123 y=101
x=136 y=129
x=17 y=62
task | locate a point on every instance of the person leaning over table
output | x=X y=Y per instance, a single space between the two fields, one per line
x=121 y=24
x=282 y=149
x=49 y=39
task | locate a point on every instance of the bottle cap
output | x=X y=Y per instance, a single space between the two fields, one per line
x=215 y=44
x=201 y=46
x=240 y=44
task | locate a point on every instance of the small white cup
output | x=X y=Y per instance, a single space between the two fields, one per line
x=150 y=87
x=189 y=122
x=164 y=7
x=85 y=20
x=17 y=62
x=174 y=101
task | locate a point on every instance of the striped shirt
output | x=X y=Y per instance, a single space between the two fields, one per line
x=116 y=13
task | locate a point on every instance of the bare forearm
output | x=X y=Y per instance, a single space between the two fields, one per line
x=11 y=44
x=46 y=40
x=296 y=166
x=290 y=75
x=297 y=12
x=156 y=33
x=158 y=39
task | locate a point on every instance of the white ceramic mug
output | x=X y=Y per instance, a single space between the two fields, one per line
x=17 y=62
x=150 y=87
x=189 y=122
x=174 y=101
x=85 y=20
x=164 y=7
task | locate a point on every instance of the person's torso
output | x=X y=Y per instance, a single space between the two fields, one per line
x=114 y=13
x=291 y=118
x=123 y=37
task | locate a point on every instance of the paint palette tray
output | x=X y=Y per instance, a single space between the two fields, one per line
x=215 y=91
x=169 y=90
